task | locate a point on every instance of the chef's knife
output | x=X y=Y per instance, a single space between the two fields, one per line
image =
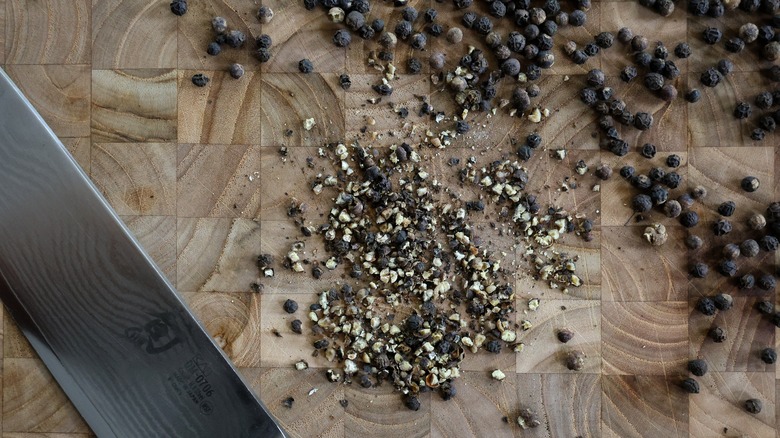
x=111 y=329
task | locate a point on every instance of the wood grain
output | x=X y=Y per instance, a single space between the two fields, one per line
x=289 y=99
x=218 y=181
x=640 y=406
x=720 y=405
x=379 y=412
x=634 y=270
x=319 y=414
x=216 y=254
x=157 y=234
x=47 y=32
x=543 y=353
x=32 y=401
x=134 y=105
x=747 y=333
x=227 y=111
x=233 y=320
x=136 y=178
x=60 y=93
x=644 y=338
x=131 y=34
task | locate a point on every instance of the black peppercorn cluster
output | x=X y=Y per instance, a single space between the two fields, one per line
x=659 y=71
x=768 y=120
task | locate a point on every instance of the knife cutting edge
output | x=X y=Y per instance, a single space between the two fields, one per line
x=112 y=330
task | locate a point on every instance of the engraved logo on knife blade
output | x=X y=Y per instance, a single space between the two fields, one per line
x=158 y=335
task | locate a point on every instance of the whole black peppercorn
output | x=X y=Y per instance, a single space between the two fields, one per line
x=378 y=25
x=727 y=268
x=525 y=152
x=641 y=203
x=591 y=49
x=264 y=41
x=628 y=73
x=717 y=334
x=768 y=355
x=673 y=161
x=765 y=307
x=413 y=322
x=643 y=121
x=235 y=39
x=497 y=9
x=551 y=7
x=290 y=306
x=670 y=70
x=463 y=4
x=263 y=55
x=603 y=172
x=548 y=28
x=625 y=35
x=749 y=248
x=511 y=67
x=686 y=200
x=468 y=19
x=179 y=7
x=656 y=65
x=693 y=95
x=588 y=96
x=236 y=71
x=362 y=6
x=355 y=20
x=620 y=148
x=579 y=57
x=533 y=140
x=515 y=42
x=214 y=48
x=412 y=403
x=747 y=281
x=723 y=301
x=690 y=386
x=409 y=14
x=200 y=80
x=750 y=183
x=712 y=35
x=735 y=45
x=342 y=38
x=385 y=55
x=731 y=251
x=766 y=282
x=689 y=219
x=605 y=40
x=692 y=241
x=711 y=77
x=698 y=7
x=742 y=110
x=704 y=305
x=305 y=66
x=757 y=134
x=768 y=243
x=775 y=319
x=753 y=406
x=648 y=150
x=642 y=182
x=656 y=174
x=658 y=194
x=461 y=127
x=727 y=208
x=638 y=43
x=765 y=34
x=565 y=335
x=668 y=92
x=403 y=30
x=664 y=7
x=604 y=93
x=483 y=25
x=697 y=367
x=643 y=59
x=672 y=209
x=682 y=50
x=310 y=4
x=366 y=32
x=767 y=123
x=725 y=67
x=717 y=9
x=721 y=227
x=447 y=391
x=654 y=81
x=533 y=90
x=627 y=171
x=577 y=18
x=595 y=78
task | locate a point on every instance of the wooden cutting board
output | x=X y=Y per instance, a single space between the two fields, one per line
x=196 y=173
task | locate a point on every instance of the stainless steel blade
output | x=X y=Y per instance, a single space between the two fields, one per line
x=109 y=326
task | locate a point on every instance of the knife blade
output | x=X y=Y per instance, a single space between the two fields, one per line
x=109 y=326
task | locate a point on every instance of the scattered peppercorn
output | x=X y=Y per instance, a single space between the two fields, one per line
x=750 y=184
x=767 y=282
x=742 y=110
x=749 y=248
x=200 y=80
x=717 y=334
x=723 y=301
x=712 y=35
x=747 y=281
x=697 y=367
x=295 y=325
x=575 y=360
x=693 y=95
x=711 y=77
x=768 y=355
x=290 y=306
x=765 y=307
x=288 y=402
x=690 y=386
x=643 y=121
x=730 y=251
x=179 y=7
x=214 y=48
x=693 y=241
x=721 y=227
x=654 y=81
x=699 y=192
x=565 y=335
x=727 y=208
x=682 y=50
x=753 y=405
x=412 y=403
x=342 y=38
x=727 y=268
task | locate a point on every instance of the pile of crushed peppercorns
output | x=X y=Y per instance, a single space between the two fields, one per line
x=408 y=252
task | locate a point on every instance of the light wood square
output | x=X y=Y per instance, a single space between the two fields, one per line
x=136 y=178
x=132 y=34
x=216 y=254
x=543 y=353
x=632 y=406
x=33 y=402
x=233 y=320
x=60 y=94
x=133 y=105
x=720 y=405
x=47 y=32
x=226 y=111
x=218 y=181
x=290 y=98
x=644 y=338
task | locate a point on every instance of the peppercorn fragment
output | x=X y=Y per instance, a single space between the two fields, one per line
x=575 y=360
x=200 y=80
x=721 y=227
x=717 y=334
